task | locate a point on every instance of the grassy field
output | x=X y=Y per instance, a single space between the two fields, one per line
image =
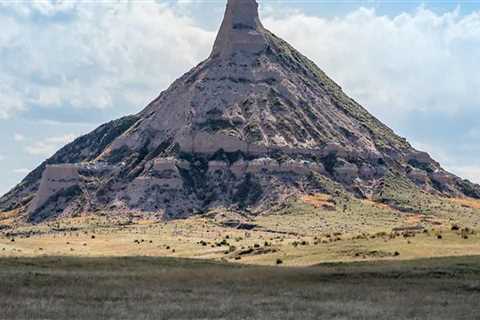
x=168 y=288
x=407 y=256
x=301 y=234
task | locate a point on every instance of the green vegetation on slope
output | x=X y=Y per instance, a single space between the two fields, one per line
x=383 y=136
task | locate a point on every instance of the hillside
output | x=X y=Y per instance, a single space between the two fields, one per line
x=252 y=126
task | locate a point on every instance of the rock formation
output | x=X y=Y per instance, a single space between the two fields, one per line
x=255 y=122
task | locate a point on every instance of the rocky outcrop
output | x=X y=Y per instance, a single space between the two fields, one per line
x=251 y=125
x=55 y=179
x=241 y=30
x=84 y=149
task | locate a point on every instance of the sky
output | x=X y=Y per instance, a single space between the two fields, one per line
x=68 y=66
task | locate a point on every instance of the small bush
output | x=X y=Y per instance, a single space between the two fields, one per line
x=279 y=261
x=455 y=227
x=222 y=243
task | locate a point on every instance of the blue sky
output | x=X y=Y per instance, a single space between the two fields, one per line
x=68 y=66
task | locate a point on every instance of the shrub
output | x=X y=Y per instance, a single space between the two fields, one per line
x=230 y=249
x=279 y=261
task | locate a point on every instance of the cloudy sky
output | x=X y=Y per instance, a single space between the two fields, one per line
x=68 y=66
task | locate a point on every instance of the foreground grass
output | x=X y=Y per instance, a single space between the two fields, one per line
x=167 y=288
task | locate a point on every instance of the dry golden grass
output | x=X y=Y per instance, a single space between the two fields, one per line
x=8 y=218
x=319 y=201
x=311 y=230
x=8 y=215
x=372 y=203
x=306 y=236
x=467 y=202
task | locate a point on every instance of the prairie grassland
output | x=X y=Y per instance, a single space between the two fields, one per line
x=168 y=288
x=224 y=265
x=301 y=234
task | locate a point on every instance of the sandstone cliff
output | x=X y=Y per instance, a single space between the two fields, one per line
x=252 y=124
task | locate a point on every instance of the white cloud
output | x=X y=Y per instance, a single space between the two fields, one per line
x=393 y=65
x=49 y=7
x=48 y=146
x=98 y=55
x=18 y=137
x=43 y=7
x=21 y=171
x=2 y=157
x=11 y=102
x=121 y=54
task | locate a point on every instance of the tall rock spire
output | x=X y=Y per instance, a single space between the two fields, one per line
x=241 y=29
